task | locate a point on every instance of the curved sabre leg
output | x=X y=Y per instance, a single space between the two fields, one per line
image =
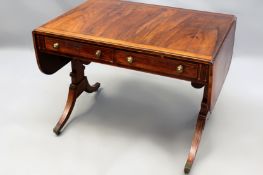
x=67 y=111
x=201 y=120
x=195 y=143
x=79 y=84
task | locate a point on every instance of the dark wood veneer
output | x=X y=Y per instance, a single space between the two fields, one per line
x=190 y=45
x=73 y=48
x=156 y=64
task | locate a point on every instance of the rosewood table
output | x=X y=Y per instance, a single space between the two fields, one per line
x=185 y=44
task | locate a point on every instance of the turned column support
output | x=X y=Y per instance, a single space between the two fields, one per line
x=79 y=84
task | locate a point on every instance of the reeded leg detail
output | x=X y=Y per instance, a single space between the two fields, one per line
x=201 y=120
x=79 y=84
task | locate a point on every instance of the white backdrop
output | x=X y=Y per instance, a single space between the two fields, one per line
x=140 y=124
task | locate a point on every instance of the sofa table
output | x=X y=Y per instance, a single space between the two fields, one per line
x=185 y=44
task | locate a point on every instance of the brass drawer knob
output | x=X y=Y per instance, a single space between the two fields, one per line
x=98 y=53
x=56 y=45
x=130 y=59
x=180 y=69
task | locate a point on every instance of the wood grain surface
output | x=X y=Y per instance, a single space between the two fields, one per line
x=160 y=29
x=184 y=44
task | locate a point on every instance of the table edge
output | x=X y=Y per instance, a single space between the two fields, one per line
x=125 y=45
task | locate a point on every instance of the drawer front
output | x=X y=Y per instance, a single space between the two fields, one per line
x=157 y=64
x=78 y=49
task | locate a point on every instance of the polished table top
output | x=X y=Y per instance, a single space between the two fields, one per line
x=172 y=31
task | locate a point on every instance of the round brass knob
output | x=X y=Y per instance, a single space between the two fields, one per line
x=180 y=69
x=130 y=59
x=56 y=45
x=98 y=53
